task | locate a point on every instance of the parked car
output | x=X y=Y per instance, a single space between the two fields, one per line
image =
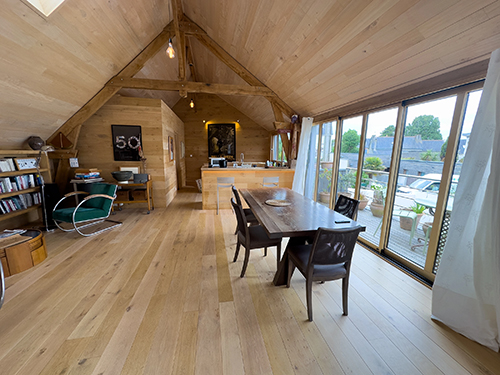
x=428 y=183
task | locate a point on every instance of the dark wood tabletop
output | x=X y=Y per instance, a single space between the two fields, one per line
x=301 y=218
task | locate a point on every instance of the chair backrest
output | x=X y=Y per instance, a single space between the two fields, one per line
x=333 y=246
x=240 y=218
x=271 y=181
x=225 y=181
x=236 y=196
x=102 y=203
x=347 y=206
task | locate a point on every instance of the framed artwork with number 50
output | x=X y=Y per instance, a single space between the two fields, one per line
x=127 y=142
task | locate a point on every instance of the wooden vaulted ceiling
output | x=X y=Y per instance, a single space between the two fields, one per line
x=316 y=56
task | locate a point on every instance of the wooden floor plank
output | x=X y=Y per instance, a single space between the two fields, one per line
x=161 y=295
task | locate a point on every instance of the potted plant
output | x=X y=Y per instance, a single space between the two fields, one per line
x=378 y=202
x=324 y=194
x=406 y=222
x=363 y=201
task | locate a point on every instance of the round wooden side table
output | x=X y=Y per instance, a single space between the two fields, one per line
x=24 y=255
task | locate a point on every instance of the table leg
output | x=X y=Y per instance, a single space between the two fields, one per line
x=281 y=275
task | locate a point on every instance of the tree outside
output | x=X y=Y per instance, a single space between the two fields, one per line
x=350 y=142
x=427 y=126
x=429 y=156
x=389 y=131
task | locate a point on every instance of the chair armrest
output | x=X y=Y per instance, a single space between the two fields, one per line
x=67 y=196
x=98 y=196
x=75 y=193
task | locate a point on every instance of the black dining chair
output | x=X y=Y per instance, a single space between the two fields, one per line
x=328 y=258
x=251 y=219
x=253 y=237
x=347 y=206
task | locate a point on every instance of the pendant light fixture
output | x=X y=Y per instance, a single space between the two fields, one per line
x=170 y=50
x=191 y=103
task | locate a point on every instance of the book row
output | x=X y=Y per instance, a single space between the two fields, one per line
x=19 y=202
x=18 y=183
x=7 y=165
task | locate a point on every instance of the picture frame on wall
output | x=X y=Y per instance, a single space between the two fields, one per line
x=171 y=147
x=23 y=164
x=127 y=142
x=222 y=141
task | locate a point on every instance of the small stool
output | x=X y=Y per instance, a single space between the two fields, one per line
x=271 y=182
x=223 y=182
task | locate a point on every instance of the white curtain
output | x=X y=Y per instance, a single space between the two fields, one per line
x=299 y=177
x=466 y=292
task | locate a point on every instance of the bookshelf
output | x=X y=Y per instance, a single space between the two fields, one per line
x=25 y=197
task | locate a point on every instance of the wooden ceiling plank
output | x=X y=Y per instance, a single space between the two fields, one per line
x=239 y=69
x=193 y=87
x=98 y=100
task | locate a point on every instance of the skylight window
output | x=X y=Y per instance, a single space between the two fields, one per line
x=46 y=7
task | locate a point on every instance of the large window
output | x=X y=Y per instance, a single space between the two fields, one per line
x=411 y=163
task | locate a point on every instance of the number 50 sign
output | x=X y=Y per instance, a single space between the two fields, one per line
x=127 y=141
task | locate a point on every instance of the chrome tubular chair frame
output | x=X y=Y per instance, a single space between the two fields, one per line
x=89 y=222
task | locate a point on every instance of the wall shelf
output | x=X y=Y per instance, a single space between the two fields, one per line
x=12 y=214
x=14 y=193
x=20 y=173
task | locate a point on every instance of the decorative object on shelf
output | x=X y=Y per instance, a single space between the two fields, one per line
x=35 y=142
x=23 y=164
x=222 y=141
x=122 y=176
x=171 y=147
x=127 y=142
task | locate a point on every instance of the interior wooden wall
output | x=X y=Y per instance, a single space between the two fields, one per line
x=157 y=122
x=251 y=138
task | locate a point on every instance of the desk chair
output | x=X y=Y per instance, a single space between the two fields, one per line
x=93 y=209
x=271 y=182
x=253 y=237
x=403 y=213
x=223 y=182
x=347 y=206
x=251 y=219
x=328 y=258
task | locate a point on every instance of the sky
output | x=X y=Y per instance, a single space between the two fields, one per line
x=441 y=108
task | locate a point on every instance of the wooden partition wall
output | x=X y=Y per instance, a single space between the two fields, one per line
x=157 y=121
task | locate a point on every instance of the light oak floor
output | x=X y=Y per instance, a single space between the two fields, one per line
x=160 y=295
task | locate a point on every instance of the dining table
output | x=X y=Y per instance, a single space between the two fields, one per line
x=283 y=212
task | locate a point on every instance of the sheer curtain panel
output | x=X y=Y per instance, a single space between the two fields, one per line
x=299 y=177
x=466 y=292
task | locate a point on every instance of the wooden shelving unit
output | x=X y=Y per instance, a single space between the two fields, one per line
x=44 y=170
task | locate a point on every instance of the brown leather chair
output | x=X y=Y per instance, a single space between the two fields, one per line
x=253 y=237
x=328 y=258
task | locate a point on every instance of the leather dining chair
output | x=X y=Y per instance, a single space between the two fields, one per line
x=271 y=182
x=253 y=237
x=347 y=206
x=328 y=258
x=251 y=219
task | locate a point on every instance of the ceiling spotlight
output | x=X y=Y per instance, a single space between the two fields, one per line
x=170 y=50
x=191 y=103
x=238 y=121
x=204 y=121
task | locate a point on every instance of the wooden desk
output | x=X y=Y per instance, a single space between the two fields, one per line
x=299 y=220
x=133 y=187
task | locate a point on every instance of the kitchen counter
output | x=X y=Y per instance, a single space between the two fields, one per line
x=244 y=178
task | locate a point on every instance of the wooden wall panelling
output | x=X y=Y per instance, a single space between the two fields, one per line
x=251 y=138
x=95 y=143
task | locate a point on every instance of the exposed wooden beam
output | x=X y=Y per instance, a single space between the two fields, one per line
x=233 y=64
x=193 y=87
x=132 y=68
x=190 y=60
x=281 y=124
x=180 y=38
